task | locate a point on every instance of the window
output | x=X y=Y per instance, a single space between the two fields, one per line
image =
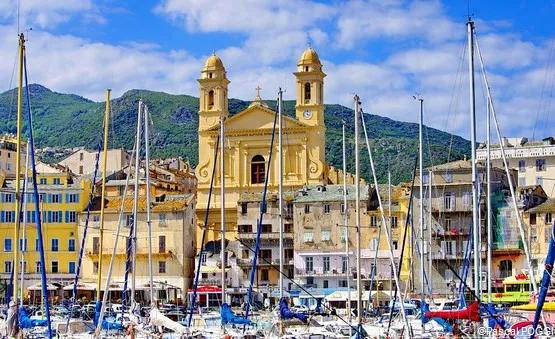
x=8 y=197
x=161 y=267
x=266 y=254
x=266 y=228
x=307 y=92
x=449 y=247
x=342 y=283
x=425 y=178
x=203 y=259
x=533 y=235
x=326 y=235
x=264 y=275
x=54 y=216
x=7 y=244
x=505 y=268
x=344 y=234
x=325 y=284
x=54 y=267
x=31 y=216
x=548 y=232
x=244 y=208
x=447 y=225
x=211 y=99
x=522 y=166
x=532 y=218
x=7 y=267
x=394 y=221
x=162 y=244
x=307 y=208
x=288 y=228
x=540 y=165
x=80 y=169
x=373 y=221
x=309 y=264
x=71 y=216
x=326 y=208
x=258 y=169
x=81 y=156
x=95 y=267
x=8 y=165
x=289 y=210
x=448 y=177
x=71 y=245
x=162 y=220
x=309 y=237
x=96 y=221
x=72 y=198
x=71 y=267
x=245 y=228
x=7 y=216
x=522 y=181
x=128 y=220
x=22 y=246
x=548 y=219
x=42 y=181
x=96 y=245
x=344 y=266
x=37 y=267
x=449 y=202
x=54 y=245
x=342 y=208
x=373 y=244
x=326 y=264
x=395 y=244
x=56 y=181
x=37 y=244
x=55 y=198
x=539 y=181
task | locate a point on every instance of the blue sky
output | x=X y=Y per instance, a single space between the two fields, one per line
x=383 y=50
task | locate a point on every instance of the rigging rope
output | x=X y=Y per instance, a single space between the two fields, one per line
x=35 y=188
x=205 y=228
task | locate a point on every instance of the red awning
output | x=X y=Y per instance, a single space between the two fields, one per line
x=206 y=290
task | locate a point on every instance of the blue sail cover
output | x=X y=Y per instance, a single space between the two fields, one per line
x=106 y=325
x=286 y=313
x=26 y=322
x=495 y=319
x=229 y=318
x=424 y=308
x=549 y=260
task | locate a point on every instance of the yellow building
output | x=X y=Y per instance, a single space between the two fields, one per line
x=247 y=139
x=539 y=220
x=172 y=220
x=370 y=233
x=62 y=198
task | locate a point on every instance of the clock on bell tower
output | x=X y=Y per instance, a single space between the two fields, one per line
x=310 y=89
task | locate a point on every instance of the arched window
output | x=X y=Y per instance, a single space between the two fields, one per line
x=505 y=268
x=210 y=75
x=210 y=99
x=307 y=91
x=306 y=69
x=258 y=169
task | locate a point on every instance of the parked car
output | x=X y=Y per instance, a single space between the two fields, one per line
x=300 y=309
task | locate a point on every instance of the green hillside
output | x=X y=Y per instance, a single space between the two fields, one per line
x=67 y=120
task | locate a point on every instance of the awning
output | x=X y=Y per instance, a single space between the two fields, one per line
x=312 y=293
x=38 y=287
x=156 y=286
x=81 y=287
x=275 y=294
x=343 y=296
x=212 y=269
x=114 y=287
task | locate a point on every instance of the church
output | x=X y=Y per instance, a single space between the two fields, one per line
x=247 y=141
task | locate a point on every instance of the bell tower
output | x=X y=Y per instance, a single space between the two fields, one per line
x=310 y=89
x=213 y=93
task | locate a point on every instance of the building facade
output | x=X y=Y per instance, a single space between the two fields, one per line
x=84 y=161
x=534 y=160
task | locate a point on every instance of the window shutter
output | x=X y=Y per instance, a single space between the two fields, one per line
x=67 y=216
x=67 y=197
x=49 y=216
x=2 y=216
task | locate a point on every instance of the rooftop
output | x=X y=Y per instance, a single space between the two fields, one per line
x=547 y=206
x=170 y=204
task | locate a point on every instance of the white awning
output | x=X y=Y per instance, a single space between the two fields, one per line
x=38 y=287
x=81 y=287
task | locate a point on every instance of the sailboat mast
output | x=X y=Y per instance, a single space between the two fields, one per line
x=421 y=193
x=488 y=197
x=430 y=264
x=18 y=165
x=222 y=203
x=357 y=209
x=280 y=176
x=389 y=222
x=475 y=206
x=24 y=245
x=345 y=222
x=149 y=201
x=136 y=206
x=103 y=194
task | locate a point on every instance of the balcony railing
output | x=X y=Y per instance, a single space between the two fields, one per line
x=508 y=245
x=265 y=236
x=320 y=273
x=446 y=256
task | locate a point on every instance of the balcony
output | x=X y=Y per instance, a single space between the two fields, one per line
x=244 y=262
x=215 y=281
x=447 y=256
x=265 y=236
x=319 y=272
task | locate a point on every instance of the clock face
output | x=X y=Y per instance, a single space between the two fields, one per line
x=307 y=114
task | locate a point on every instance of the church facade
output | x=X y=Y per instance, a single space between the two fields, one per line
x=247 y=143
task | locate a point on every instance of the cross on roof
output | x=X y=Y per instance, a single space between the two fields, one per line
x=258 y=88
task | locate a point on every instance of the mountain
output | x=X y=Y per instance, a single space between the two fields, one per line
x=68 y=120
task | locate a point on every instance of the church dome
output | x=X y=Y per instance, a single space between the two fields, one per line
x=309 y=57
x=213 y=63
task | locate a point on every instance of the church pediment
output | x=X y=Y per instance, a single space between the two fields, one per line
x=257 y=117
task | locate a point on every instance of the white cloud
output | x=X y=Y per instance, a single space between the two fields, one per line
x=46 y=13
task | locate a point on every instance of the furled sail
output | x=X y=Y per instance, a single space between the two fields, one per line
x=470 y=313
x=286 y=313
x=229 y=318
x=158 y=319
x=26 y=322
